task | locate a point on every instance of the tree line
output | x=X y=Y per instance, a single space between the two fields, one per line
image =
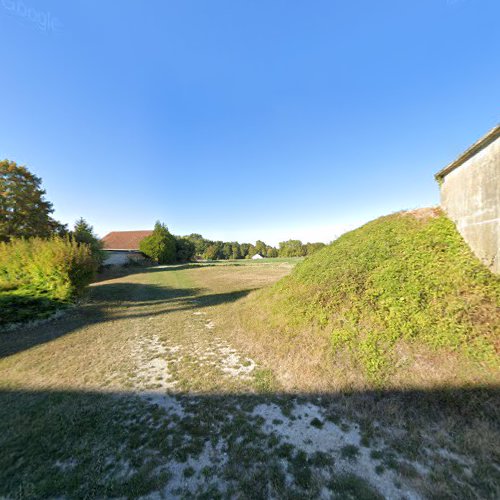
x=25 y=213
x=164 y=248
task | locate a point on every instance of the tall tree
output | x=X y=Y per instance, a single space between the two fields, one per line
x=211 y=253
x=260 y=248
x=159 y=246
x=244 y=247
x=83 y=232
x=24 y=211
x=313 y=247
x=236 y=250
x=291 y=248
x=185 y=249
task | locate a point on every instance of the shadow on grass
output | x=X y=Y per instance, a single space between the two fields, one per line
x=92 y=444
x=21 y=306
x=111 y=302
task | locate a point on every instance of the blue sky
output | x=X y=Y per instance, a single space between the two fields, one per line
x=244 y=119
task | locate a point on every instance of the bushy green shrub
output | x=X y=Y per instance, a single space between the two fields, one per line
x=160 y=246
x=41 y=271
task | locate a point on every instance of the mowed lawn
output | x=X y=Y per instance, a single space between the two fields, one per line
x=144 y=390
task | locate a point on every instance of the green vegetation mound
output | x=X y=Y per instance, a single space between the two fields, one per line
x=407 y=278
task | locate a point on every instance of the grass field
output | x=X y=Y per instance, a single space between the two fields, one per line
x=154 y=388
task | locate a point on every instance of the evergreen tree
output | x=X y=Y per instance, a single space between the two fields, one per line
x=83 y=232
x=160 y=246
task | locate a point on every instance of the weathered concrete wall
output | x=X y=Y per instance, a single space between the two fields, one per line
x=470 y=195
x=122 y=257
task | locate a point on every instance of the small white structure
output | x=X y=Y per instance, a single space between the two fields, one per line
x=257 y=256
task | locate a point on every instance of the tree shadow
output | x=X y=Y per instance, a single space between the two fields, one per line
x=112 y=302
x=21 y=306
x=103 y=444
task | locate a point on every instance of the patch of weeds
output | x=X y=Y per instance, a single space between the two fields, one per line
x=188 y=472
x=376 y=454
x=349 y=452
x=407 y=470
x=334 y=418
x=211 y=492
x=350 y=486
x=286 y=407
x=207 y=471
x=316 y=422
x=321 y=459
x=264 y=380
x=301 y=469
x=285 y=451
x=390 y=460
x=379 y=469
x=273 y=441
x=277 y=421
x=277 y=477
x=344 y=427
x=367 y=434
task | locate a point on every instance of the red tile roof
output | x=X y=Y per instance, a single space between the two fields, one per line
x=124 y=240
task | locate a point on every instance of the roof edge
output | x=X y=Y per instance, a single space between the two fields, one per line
x=486 y=140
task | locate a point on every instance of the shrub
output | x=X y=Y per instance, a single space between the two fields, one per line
x=160 y=246
x=42 y=273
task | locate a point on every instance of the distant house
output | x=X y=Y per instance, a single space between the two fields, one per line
x=257 y=256
x=123 y=246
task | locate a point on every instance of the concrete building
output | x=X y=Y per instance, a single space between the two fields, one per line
x=470 y=195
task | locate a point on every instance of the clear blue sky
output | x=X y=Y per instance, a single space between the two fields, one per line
x=242 y=119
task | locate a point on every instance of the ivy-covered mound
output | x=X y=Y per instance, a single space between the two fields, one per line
x=404 y=278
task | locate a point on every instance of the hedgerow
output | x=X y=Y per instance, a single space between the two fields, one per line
x=38 y=275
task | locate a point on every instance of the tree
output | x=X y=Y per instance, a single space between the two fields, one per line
x=24 y=211
x=83 y=233
x=271 y=252
x=236 y=250
x=244 y=249
x=185 y=249
x=291 y=248
x=313 y=247
x=251 y=251
x=211 y=253
x=159 y=246
x=260 y=248
x=227 y=251
x=200 y=243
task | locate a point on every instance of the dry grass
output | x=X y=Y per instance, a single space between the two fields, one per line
x=165 y=381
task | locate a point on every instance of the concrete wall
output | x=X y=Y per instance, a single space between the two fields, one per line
x=470 y=195
x=122 y=257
